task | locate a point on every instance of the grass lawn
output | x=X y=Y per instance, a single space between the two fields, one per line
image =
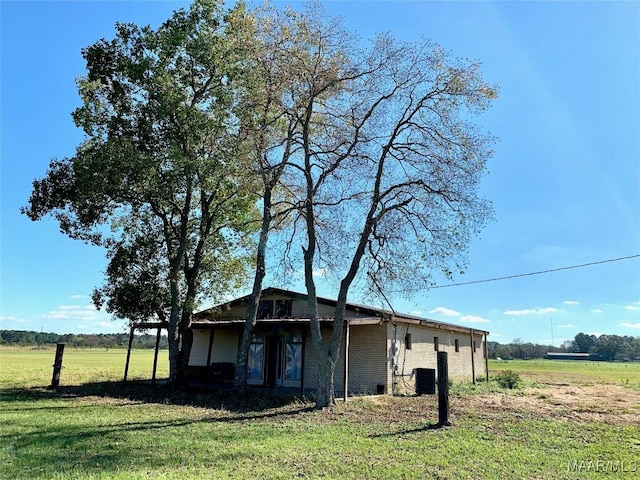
x=94 y=426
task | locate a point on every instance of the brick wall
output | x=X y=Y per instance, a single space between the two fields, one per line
x=361 y=375
x=377 y=356
x=368 y=352
x=423 y=354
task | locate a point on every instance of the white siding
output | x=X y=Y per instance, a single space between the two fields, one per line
x=225 y=346
x=200 y=348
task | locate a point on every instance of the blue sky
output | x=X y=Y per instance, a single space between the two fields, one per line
x=564 y=180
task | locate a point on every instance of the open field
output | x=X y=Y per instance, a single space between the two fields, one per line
x=561 y=425
x=573 y=372
x=27 y=367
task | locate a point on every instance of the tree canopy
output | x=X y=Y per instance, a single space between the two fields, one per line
x=160 y=179
x=385 y=159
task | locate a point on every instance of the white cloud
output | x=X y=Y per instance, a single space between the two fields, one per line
x=415 y=312
x=596 y=310
x=473 y=319
x=571 y=302
x=630 y=325
x=95 y=327
x=539 y=311
x=82 y=313
x=632 y=307
x=321 y=272
x=76 y=295
x=445 y=311
x=11 y=319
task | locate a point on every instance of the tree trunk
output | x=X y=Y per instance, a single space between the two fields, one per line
x=174 y=351
x=174 y=332
x=186 y=341
x=240 y=379
x=325 y=392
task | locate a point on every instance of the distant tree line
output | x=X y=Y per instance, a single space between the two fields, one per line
x=521 y=350
x=101 y=340
x=608 y=347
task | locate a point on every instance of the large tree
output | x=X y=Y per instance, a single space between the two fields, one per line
x=160 y=179
x=389 y=165
x=583 y=343
x=268 y=131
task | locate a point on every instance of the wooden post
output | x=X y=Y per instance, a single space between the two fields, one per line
x=210 y=350
x=346 y=361
x=57 y=367
x=303 y=353
x=126 y=365
x=155 y=357
x=473 y=360
x=486 y=357
x=443 y=390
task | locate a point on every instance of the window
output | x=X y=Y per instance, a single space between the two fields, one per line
x=436 y=344
x=293 y=360
x=265 y=309
x=407 y=341
x=256 y=358
x=457 y=344
x=283 y=308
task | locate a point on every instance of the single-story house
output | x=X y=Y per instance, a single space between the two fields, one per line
x=379 y=353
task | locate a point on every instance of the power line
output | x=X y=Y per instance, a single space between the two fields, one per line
x=536 y=273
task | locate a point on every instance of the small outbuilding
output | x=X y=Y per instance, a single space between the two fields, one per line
x=572 y=356
x=380 y=351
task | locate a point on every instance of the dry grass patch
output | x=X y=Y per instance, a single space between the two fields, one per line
x=610 y=404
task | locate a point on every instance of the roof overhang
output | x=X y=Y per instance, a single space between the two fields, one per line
x=237 y=322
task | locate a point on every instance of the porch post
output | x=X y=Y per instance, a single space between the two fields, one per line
x=126 y=366
x=346 y=360
x=303 y=353
x=473 y=361
x=486 y=356
x=210 y=347
x=155 y=356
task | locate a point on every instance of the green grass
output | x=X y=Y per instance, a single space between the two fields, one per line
x=21 y=367
x=573 y=372
x=95 y=427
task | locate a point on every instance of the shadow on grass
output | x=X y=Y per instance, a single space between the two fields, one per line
x=250 y=403
x=425 y=428
x=40 y=439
